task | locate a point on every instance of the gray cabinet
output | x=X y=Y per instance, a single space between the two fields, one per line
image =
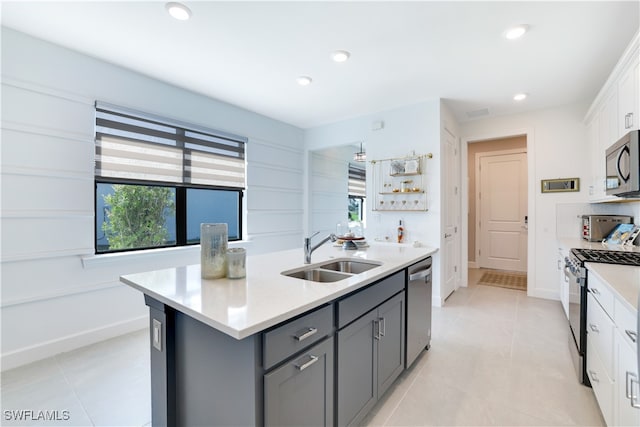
x=300 y=392
x=370 y=358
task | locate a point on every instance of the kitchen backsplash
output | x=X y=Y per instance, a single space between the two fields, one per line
x=569 y=215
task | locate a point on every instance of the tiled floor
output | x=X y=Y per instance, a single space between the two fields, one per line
x=497 y=357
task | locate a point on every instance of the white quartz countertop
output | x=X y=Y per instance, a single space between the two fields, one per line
x=243 y=307
x=624 y=280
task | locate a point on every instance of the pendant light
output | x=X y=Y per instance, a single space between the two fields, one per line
x=360 y=156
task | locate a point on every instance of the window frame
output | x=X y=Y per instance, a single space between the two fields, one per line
x=181 y=188
x=180 y=215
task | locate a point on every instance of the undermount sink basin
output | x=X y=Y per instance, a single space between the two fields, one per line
x=332 y=271
x=318 y=275
x=353 y=267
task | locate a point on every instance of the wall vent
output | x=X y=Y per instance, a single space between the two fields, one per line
x=478 y=113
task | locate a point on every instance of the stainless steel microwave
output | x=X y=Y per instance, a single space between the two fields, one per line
x=623 y=166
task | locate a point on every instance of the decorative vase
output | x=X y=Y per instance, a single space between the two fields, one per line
x=236 y=263
x=213 y=250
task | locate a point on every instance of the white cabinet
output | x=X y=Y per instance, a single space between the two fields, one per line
x=603 y=132
x=564 y=281
x=612 y=364
x=628 y=99
x=600 y=364
x=628 y=410
x=628 y=413
x=615 y=111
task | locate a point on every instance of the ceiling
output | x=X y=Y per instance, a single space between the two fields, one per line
x=250 y=53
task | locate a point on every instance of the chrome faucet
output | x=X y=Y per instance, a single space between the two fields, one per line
x=308 y=249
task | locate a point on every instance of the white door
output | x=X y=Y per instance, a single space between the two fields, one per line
x=503 y=212
x=451 y=217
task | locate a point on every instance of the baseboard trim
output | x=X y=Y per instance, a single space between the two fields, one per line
x=472 y=264
x=30 y=354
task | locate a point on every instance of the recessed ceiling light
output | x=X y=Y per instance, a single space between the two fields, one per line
x=178 y=11
x=516 y=32
x=304 y=80
x=519 y=96
x=340 y=55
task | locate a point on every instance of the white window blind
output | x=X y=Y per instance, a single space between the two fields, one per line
x=357 y=181
x=141 y=147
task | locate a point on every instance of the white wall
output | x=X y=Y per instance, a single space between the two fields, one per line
x=557 y=148
x=55 y=294
x=407 y=129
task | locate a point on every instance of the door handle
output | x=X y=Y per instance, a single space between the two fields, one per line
x=594 y=328
x=446 y=236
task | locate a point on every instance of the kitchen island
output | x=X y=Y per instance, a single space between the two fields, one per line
x=240 y=352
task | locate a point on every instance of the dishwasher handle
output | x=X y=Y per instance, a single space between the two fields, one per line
x=420 y=274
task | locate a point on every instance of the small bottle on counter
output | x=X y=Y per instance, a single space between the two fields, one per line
x=400 y=232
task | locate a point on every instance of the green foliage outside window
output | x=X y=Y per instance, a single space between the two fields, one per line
x=136 y=216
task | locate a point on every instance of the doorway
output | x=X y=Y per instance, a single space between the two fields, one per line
x=497 y=204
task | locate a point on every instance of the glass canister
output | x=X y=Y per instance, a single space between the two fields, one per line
x=213 y=250
x=236 y=263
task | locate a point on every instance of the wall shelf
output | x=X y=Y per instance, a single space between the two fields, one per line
x=393 y=191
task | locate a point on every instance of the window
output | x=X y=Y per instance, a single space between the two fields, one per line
x=357 y=192
x=157 y=180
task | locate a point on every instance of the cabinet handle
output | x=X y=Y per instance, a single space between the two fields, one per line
x=382 y=323
x=376 y=325
x=630 y=376
x=634 y=397
x=558 y=264
x=626 y=121
x=594 y=328
x=630 y=120
x=594 y=377
x=632 y=335
x=312 y=359
x=310 y=331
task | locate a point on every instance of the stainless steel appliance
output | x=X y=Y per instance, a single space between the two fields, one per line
x=576 y=274
x=419 y=288
x=595 y=228
x=623 y=166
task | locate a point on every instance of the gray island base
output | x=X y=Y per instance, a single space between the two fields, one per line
x=326 y=366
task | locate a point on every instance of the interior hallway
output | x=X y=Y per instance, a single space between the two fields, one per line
x=497 y=357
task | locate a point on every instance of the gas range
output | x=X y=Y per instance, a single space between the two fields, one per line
x=604 y=256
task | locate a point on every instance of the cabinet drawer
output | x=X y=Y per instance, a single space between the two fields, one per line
x=603 y=387
x=627 y=323
x=601 y=293
x=296 y=335
x=354 y=306
x=600 y=334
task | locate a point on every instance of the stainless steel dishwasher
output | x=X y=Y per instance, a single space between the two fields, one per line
x=419 y=289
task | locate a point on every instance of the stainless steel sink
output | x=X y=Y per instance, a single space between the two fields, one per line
x=349 y=266
x=317 y=275
x=332 y=271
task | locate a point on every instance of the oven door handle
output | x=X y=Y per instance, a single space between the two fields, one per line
x=572 y=277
